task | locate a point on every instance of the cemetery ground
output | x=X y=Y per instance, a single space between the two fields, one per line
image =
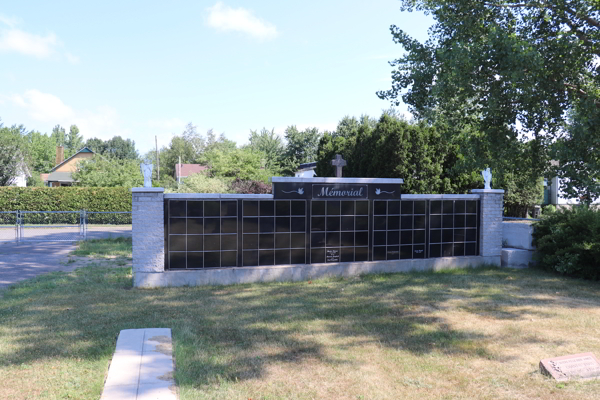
x=459 y=334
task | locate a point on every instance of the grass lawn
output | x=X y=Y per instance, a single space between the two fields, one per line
x=463 y=334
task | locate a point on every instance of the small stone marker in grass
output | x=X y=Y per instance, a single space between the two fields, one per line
x=576 y=366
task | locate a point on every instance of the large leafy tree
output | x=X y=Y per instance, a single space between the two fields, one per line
x=301 y=147
x=12 y=157
x=116 y=147
x=507 y=68
x=270 y=144
x=103 y=172
x=73 y=141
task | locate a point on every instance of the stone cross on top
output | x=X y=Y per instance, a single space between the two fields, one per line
x=339 y=163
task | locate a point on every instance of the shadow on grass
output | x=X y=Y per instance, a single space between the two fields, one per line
x=232 y=333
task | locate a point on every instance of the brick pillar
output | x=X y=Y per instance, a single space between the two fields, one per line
x=148 y=231
x=490 y=228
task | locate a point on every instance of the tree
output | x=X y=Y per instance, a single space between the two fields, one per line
x=58 y=135
x=201 y=183
x=102 y=172
x=42 y=151
x=117 y=147
x=12 y=158
x=301 y=147
x=270 y=144
x=507 y=68
x=73 y=141
x=244 y=164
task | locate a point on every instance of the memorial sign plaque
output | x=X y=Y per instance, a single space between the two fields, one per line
x=333 y=255
x=576 y=366
x=340 y=191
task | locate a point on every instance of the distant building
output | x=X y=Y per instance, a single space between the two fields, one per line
x=22 y=174
x=306 y=170
x=60 y=175
x=182 y=171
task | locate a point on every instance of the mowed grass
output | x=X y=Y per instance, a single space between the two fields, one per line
x=462 y=334
x=119 y=247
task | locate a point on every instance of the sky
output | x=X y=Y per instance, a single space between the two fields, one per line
x=141 y=69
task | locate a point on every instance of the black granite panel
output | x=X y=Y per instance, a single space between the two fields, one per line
x=332 y=239
x=436 y=207
x=407 y=207
x=379 y=238
x=471 y=235
x=298 y=208
x=347 y=238
x=318 y=207
x=419 y=222
x=348 y=223
x=361 y=223
x=361 y=254
x=317 y=256
x=379 y=207
x=177 y=208
x=317 y=224
x=266 y=241
x=435 y=250
x=379 y=222
x=471 y=206
x=177 y=243
x=435 y=221
x=282 y=207
x=393 y=223
x=362 y=208
x=317 y=240
x=228 y=208
x=406 y=237
x=282 y=224
x=298 y=256
x=347 y=254
x=250 y=208
x=419 y=236
x=212 y=208
x=333 y=207
x=250 y=258
x=250 y=242
x=282 y=241
x=459 y=249
x=177 y=260
x=212 y=225
x=419 y=251
x=361 y=238
x=228 y=242
x=212 y=259
x=379 y=253
x=393 y=237
x=447 y=249
x=470 y=249
x=459 y=206
x=406 y=252
x=459 y=221
x=447 y=235
x=348 y=209
x=195 y=226
x=177 y=226
x=471 y=221
x=229 y=225
x=266 y=257
x=266 y=224
x=333 y=223
x=459 y=235
x=195 y=260
x=393 y=207
x=212 y=242
x=393 y=252
x=194 y=243
x=250 y=225
x=195 y=208
x=406 y=222
x=267 y=208
x=448 y=207
x=448 y=221
x=298 y=240
x=282 y=257
x=420 y=207
x=435 y=236
x=298 y=224
x=228 y=259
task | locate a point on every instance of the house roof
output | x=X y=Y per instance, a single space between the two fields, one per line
x=60 y=177
x=183 y=170
x=84 y=150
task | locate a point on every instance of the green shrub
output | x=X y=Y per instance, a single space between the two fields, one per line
x=65 y=199
x=568 y=241
x=549 y=209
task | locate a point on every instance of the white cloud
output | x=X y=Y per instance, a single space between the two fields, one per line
x=73 y=59
x=172 y=124
x=27 y=43
x=103 y=122
x=225 y=18
x=10 y=21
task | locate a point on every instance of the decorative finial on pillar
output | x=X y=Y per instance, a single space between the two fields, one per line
x=339 y=163
x=487 y=178
x=147 y=173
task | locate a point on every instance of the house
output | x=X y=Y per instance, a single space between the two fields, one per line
x=60 y=175
x=306 y=170
x=182 y=171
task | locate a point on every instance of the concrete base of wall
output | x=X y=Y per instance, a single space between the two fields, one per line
x=516 y=258
x=283 y=273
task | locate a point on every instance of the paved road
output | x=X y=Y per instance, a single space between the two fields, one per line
x=20 y=261
x=27 y=259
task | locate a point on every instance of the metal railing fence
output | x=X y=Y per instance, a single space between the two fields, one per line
x=22 y=226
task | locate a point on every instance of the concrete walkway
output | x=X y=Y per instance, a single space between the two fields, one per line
x=142 y=366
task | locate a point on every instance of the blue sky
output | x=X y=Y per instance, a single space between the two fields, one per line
x=145 y=68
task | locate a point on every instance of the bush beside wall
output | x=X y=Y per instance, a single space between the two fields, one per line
x=65 y=199
x=568 y=241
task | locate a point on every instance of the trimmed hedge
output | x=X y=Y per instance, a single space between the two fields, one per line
x=568 y=241
x=65 y=199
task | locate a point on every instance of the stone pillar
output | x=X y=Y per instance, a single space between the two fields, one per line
x=490 y=228
x=148 y=231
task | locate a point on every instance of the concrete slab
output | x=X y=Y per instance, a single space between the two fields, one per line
x=142 y=366
x=516 y=258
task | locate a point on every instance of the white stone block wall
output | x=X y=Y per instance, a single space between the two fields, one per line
x=490 y=228
x=148 y=230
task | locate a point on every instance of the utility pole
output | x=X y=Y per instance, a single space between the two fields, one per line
x=157 y=160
